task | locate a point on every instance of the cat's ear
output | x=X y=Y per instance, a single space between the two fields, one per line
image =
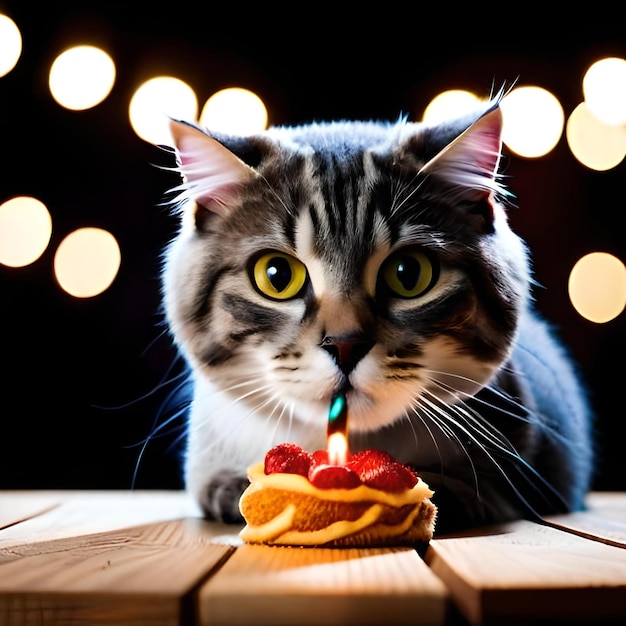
x=469 y=163
x=212 y=174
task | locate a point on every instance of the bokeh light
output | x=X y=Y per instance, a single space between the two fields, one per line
x=155 y=102
x=87 y=261
x=235 y=111
x=597 y=145
x=450 y=103
x=25 y=229
x=81 y=77
x=533 y=121
x=597 y=287
x=10 y=44
x=604 y=89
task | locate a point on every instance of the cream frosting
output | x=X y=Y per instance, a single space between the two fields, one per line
x=279 y=530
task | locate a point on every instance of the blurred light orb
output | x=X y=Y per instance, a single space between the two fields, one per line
x=450 y=104
x=87 y=261
x=155 y=102
x=10 y=44
x=81 y=77
x=604 y=89
x=533 y=121
x=25 y=230
x=597 y=287
x=235 y=111
x=596 y=145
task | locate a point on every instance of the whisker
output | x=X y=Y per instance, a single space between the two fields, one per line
x=277 y=196
x=441 y=416
x=524 y=415
x=242 y=417
x=158 y=431
x=399 y=193
x=482 y=434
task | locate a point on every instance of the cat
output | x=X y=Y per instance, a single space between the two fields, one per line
x=375 y=258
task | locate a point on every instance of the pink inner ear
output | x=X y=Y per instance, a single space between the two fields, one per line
x=471 y=160
x=212 y=173
x=486 y=144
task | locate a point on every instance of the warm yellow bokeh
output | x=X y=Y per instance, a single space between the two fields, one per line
x=604 y=88
x=10 y=44
x=155 y=102
x=597 y=287
x=533 y=121
x=235 y=111
x=87 y=261
x=25 y=229
x=81 y=77
x=449 y=104
x=597 y=145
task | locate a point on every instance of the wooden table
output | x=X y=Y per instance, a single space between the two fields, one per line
x=146 y=558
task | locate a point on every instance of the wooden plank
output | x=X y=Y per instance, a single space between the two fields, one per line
x=285 y=586
x=604 y=520
x=140 y=575
x=61 y=609
x=58 y=514
x=105 y=557
x=17 y=506
x=524 y=571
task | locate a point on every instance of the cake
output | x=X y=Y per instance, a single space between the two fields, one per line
x=297 y=498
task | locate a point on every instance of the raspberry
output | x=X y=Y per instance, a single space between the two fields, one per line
x=392 y=478
x=287 y=458
x=379 y=470
x=320 y=457
x=333 y=477
x=374 y=468
x=368 y=463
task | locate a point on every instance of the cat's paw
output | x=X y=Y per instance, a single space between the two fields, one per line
x=220 y=498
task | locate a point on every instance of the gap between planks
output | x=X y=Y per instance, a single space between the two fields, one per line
x=518 y=571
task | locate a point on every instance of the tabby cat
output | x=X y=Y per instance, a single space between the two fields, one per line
x=374 y=258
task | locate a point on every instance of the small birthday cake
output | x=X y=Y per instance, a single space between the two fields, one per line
x=297 y=498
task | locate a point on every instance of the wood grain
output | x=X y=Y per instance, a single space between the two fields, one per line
x=604 y=520
x=58 y=514
x=147 y=558
x=525 y=571
x=135 y=574
x=17 y=506
x=286 y=586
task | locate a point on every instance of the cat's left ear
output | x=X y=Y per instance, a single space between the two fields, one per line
x=212 y=174
x=469 y=163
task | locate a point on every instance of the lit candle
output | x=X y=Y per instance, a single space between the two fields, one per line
x=337 y=431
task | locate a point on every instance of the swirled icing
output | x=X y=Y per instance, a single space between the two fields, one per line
x=280 y=529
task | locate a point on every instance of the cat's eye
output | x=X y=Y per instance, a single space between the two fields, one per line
x=278 y=276
x=409 y=273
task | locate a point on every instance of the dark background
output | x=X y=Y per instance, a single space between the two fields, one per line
x=83 y=380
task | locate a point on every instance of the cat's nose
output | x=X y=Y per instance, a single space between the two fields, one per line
x=347 y=350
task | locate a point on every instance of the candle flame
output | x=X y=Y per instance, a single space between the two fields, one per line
x=337 y=447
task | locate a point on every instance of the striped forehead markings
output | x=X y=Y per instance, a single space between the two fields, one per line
x=344 y=206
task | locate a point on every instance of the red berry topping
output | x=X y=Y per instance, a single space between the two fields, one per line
x=320 y=457
x=368 y=463
x=393 y=478
x=379 y=470
x=333 y=477
x=374 y=468
x=288 y=458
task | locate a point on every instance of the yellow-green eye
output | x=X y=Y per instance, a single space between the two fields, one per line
x=409 y=273
x=278 y=276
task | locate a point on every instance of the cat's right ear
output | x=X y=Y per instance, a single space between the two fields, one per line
x=212 y=174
